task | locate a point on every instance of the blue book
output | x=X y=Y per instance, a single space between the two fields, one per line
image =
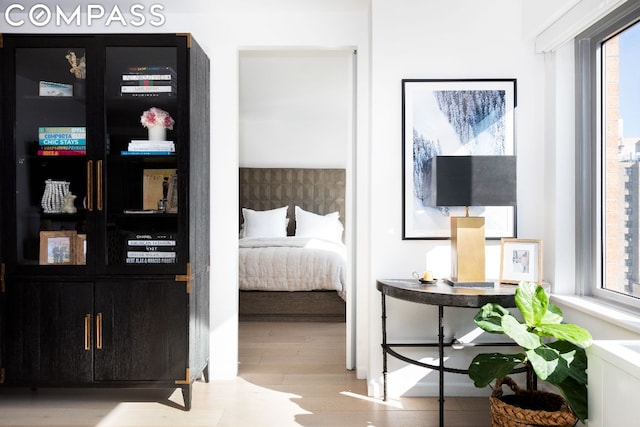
x=147 y=153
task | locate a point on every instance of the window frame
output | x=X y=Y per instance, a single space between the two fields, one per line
x=588 y=173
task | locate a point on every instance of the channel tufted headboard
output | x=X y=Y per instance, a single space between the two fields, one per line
x=315 y=190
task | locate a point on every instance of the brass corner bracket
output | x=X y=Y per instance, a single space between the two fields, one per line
x=187 y=378
x=185 y=277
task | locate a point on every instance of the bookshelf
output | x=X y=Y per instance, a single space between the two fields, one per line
x=102 y=215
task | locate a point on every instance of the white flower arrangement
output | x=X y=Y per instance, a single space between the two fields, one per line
x=78 y=65
x=156 y=117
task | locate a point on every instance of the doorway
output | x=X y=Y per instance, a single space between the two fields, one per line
x=297 y=110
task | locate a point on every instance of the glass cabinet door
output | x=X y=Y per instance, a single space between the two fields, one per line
x=141 y=174
x=50 y=143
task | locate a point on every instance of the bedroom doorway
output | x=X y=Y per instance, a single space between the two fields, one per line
x=297 y=110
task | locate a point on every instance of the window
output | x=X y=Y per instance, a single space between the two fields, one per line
x=608 y=162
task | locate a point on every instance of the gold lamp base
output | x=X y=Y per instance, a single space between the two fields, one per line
x=468 y=252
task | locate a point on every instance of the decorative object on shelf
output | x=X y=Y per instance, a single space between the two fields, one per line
x=57 y=247
x=156 y=185
x=54 y=195
x=69 y=204
x=157 y=121
x=78 y=65
x=54 y=89
x=562 y=362
x=453 y=117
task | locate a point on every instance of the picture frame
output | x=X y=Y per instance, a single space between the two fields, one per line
x=81 y=249
x=57 y=247
x=520 y=259
x=155 y=186
x=453 y=117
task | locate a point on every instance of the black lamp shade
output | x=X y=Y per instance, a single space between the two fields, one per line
x=470 y=181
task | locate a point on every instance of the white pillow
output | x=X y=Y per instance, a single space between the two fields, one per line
x=309 y=224
x=269 y=223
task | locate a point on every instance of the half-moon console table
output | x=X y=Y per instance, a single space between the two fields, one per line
x=442 y=295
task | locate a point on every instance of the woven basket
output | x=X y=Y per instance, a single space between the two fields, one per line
x=539 y=408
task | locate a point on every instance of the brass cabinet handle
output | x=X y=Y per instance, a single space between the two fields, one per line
x=89 y=185
x=87 y=331
x=99 y=179
x=99 y=331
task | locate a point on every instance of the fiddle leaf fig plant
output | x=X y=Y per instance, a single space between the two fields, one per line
x=553 y=349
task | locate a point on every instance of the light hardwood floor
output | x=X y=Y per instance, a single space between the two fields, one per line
x=290 y=374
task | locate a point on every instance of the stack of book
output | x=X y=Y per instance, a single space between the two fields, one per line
x=62 y=141
x=148 y=81
x=155 y=248
x=143 y=147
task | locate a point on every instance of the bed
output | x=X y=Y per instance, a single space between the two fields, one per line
x=284 y=276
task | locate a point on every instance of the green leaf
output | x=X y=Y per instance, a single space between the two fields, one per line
x=532 y=301
x=519 y=333
x=576 y=396
x=548 y=364
x=487 y=367
x=566 y=332
x=575 y=357
x=489 y=318
x=552 y=316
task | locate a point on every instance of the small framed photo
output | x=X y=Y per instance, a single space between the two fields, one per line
x=57 y=247
x=81 y=249
x=520 y=259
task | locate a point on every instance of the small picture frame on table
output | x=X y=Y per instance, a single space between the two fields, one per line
x=58 y=247
x=520 y=259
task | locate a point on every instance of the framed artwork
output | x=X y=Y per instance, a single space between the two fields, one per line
x=57 y=247
x=520 y=259
x=446 y=118
x=155 y=186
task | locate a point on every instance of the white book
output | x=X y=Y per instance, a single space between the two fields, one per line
x=146 y=89
x=152 y=145
x=145 y=254
x=151 y=242
x=132 y=77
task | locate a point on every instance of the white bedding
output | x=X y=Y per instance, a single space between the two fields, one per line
x=292 y=264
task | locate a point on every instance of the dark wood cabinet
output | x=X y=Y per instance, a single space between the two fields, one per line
x=106 y=224
x=47 y=333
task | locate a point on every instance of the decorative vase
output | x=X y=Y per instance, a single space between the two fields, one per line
x=157 y=133
x=53 y=196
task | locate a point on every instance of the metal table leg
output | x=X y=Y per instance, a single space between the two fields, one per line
x=384 y=348
x=441 y=364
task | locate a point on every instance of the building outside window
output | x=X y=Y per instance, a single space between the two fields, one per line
x=608 y=162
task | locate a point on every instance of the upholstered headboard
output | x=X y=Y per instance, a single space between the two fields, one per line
x=316 y=190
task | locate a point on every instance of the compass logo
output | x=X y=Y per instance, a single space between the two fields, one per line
x=40 y=15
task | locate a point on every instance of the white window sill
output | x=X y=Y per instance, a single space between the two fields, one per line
x=599 y=309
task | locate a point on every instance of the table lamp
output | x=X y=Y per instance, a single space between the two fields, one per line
x=469 y=181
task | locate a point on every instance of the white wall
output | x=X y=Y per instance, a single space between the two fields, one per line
x=295 y=108
x=240 y=25
x=454 y=39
